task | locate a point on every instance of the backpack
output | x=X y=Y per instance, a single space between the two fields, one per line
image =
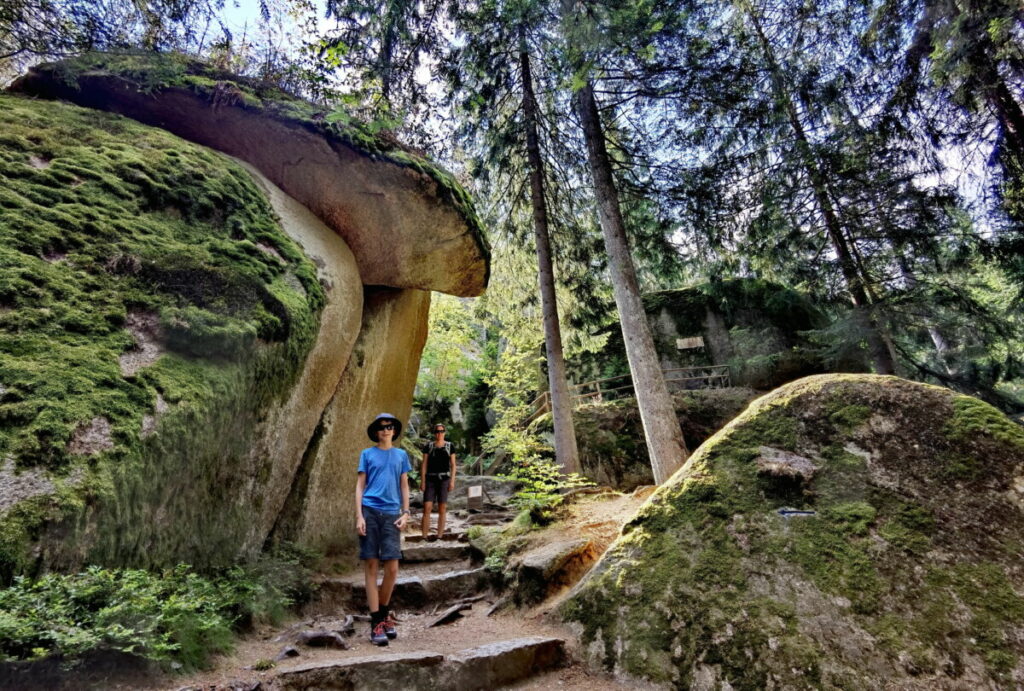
x=430 y=449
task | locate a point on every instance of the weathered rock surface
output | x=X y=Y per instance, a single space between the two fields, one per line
x=611 y=437
x=907 y=574
x=380 y=376
x=148 y=459
x=546 y=569
x=287 y=427
x=407 y=222
x=487 y=667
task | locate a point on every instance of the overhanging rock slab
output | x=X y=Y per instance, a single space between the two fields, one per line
x=409 y=224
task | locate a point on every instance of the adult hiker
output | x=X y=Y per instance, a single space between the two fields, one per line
x=437 y=479
x=382 y=508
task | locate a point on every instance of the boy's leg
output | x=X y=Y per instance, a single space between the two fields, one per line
x=442 y=509
x=427 y=506
x=388 y=584
x=370 y=567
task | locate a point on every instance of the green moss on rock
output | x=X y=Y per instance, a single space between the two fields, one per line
x=155 y=72
x=106 y=224
x=898 y=573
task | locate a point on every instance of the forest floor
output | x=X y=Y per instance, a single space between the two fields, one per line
x=597 y=517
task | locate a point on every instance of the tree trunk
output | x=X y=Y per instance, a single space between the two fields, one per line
x=665 y=443
x=880 y=353
x=566 y=452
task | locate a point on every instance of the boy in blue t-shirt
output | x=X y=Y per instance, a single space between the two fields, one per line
x=382 y=508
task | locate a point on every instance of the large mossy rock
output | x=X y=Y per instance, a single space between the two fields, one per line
x=152 y=314
x=846 y=531
x=408 y=222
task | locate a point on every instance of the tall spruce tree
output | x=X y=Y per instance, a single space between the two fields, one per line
x=662 y=432
x=493 y=79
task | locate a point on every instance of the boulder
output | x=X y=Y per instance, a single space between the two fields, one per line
x=409 y=224
x=131 y=239
x=896 y=563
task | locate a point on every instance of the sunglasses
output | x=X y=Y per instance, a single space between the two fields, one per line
x=387 y=425
x=439 y=430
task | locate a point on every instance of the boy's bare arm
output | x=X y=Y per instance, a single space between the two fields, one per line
x=360 y=487
x=405 y=502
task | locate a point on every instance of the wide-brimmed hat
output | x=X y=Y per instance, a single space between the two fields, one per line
x=374 y=427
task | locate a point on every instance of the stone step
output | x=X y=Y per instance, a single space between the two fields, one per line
x=484 y=667
x=454 y=536
x=411 y=592
x=434 y=551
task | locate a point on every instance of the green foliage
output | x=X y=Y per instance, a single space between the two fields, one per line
x=174 y=616
x=451 y=358
x=542 y=487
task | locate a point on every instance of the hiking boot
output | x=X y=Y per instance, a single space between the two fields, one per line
x=389 y=626
x=378 y=634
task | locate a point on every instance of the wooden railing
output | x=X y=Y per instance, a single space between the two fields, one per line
x=611 y=388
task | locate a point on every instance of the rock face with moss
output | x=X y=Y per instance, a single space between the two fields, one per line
x=175 y=327
x=611 y=437
x=409 y=224
x=846 y=531
x=146 y=288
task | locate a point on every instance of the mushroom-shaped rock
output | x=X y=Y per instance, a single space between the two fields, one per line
x=408 y=223
x=899 y=565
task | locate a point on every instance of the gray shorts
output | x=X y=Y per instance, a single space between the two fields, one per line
x=436 y=489
x=382 y=540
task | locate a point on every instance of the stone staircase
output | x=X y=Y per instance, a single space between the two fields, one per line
x=434 y=577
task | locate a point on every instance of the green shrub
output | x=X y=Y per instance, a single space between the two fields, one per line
x=542 y=484
x=177 y=617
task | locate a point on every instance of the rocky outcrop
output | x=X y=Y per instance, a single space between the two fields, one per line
x=611 y=437
x=755 y=327
x=377 y=196
x=159 y=245
x=192 y=353
x=380 y=376
x=287 y=427
x=815 y=543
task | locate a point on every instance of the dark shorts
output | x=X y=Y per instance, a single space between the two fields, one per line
x=382 y=540
x=436 y=489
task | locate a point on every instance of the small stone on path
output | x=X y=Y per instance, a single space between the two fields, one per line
x=322 y=639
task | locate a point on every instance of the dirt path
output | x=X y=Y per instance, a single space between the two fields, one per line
x=597 y=517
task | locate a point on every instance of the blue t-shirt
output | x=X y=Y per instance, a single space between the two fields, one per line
x=384 y=469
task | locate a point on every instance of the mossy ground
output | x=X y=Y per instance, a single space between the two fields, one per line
x=154 y=72
x=100 y=217
x=916 y=571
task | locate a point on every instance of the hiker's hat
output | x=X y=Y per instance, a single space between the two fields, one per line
x=374 y=427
